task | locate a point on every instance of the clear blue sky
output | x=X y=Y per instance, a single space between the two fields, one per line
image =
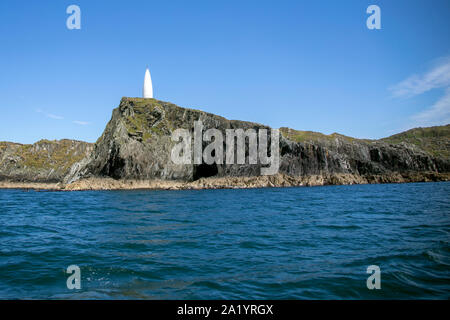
x=308 y=65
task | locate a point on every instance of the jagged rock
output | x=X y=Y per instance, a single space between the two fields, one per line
x=43 y=161
x=136 y=146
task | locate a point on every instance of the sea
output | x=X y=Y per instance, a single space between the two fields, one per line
x=327 y=242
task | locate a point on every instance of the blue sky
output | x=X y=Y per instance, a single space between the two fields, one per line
x=308 y=65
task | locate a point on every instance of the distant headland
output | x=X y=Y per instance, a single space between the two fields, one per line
x=134 y=152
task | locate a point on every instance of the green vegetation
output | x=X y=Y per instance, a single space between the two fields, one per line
x=3 y=146
x=147 y=119
x=312 y=136
x=434 y=140
x=45 y=154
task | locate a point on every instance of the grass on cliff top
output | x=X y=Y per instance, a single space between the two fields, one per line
x=304 y=136
x=63 y=155
x=145 y=122
x=141 y=102
x=58 y=155
x=3 y=146
x=434 y=140
x=139 y=124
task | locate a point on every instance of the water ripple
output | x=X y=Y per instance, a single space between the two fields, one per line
x=293 y=243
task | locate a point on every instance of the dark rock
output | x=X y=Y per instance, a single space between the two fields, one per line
x=136 y=144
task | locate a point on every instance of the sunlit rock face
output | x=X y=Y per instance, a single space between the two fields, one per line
x=137 y=145
x=147 y=91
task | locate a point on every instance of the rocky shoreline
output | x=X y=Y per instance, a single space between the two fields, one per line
x=135 y=152
x=279 y=180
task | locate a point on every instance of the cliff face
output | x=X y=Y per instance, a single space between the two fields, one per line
x=43 y=161
x=434 y=140
x=136 y=144
x=315 y=153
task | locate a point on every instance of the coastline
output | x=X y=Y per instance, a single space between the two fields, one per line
x=279 y=180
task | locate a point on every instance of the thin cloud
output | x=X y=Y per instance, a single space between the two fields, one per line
x=57 y=117
x=50 y=115
x=81 y=123
x=54 y=116
x=437 y=114
x=437 y=77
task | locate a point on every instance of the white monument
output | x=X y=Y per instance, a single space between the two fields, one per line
x=147 y=91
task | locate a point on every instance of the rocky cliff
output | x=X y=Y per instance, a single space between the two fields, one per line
x=434 y=140
x=307 y=153
x=136 y=146
x=44 y=161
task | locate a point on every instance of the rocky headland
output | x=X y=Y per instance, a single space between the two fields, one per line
x=135 y=148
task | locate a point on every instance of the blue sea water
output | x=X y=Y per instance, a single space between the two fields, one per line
x=274 y=243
